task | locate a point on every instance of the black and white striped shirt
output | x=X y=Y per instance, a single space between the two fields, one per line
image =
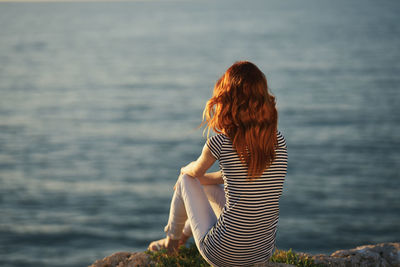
x=245 y=232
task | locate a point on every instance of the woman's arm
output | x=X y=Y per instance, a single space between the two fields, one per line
x=199 y=167
x=211 y=178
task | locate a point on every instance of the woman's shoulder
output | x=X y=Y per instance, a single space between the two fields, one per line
x=219 y=138
x=281 y=139
x=215 y=144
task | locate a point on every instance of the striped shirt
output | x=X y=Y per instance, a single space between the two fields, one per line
x=245 y=231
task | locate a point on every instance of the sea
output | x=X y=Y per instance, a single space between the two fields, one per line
x=101 y=102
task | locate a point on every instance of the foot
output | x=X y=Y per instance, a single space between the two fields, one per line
x=166 y=243
x=183 y=240
x=157 y=245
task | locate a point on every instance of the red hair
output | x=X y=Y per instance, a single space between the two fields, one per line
x=242 y=108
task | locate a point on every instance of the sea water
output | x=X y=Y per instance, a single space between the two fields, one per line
x=100 y=104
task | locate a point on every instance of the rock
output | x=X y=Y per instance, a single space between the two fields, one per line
x=379 y=255
x=140 y=259
x=124 y=259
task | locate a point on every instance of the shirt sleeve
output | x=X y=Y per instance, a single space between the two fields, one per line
x=281 y=140
x=214 y=143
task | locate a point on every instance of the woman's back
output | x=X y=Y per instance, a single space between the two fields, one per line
x=245 y=231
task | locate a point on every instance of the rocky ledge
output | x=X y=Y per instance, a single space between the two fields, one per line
x=379 y=255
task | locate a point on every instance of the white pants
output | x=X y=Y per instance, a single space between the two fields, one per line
x=194 y=209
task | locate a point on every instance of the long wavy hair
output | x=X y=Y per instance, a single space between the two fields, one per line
x=243 y=109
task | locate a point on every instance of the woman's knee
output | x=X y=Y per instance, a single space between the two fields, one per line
x=182 y=179
x=188 y=181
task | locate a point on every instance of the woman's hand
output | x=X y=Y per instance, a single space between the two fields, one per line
x=185 y=170
x=188 y=168
x=199 y=167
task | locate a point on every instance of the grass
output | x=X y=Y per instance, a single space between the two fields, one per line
x=187 y=257
x=190 y=257
x=290 y=257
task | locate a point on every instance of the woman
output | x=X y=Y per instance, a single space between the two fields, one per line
x=233 y=225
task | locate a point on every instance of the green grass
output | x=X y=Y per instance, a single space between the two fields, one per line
x=190 y=257
x=290 y=257
x=187 y=257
